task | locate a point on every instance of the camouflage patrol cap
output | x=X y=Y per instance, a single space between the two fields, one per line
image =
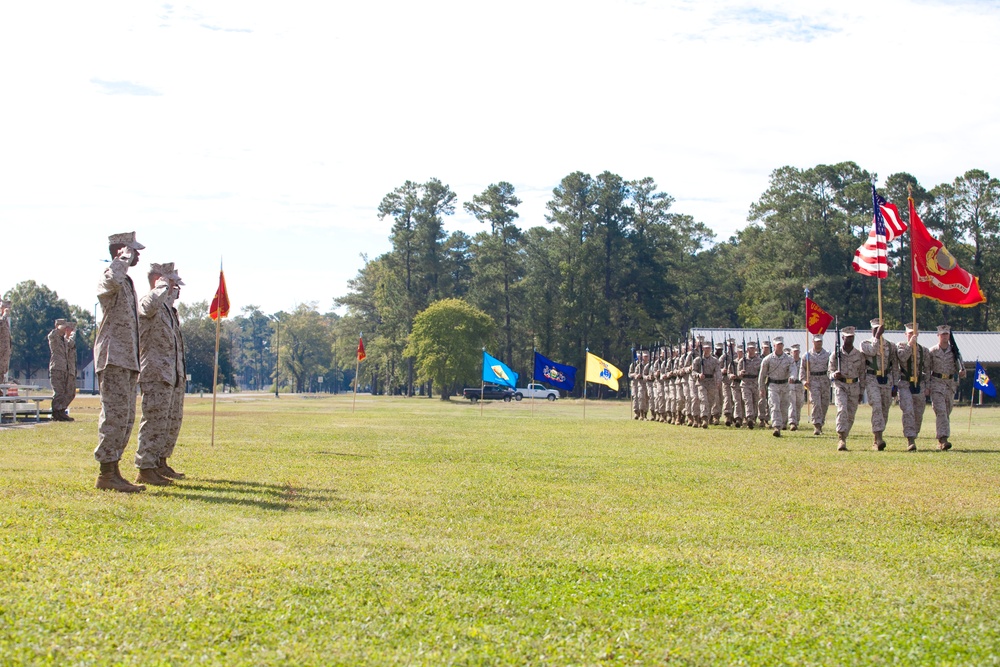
x=910 y=328
x=848 y=331
x=731 y=341
x=700 y=337
x=61 y=322
x=778 y=340
x=876 y=322
x=166 y=270
x=751 y=344
x=795 y=346
x=719 y=344
x=125 y=238
x=943 y=329
x=818 y=338
x=5 y=303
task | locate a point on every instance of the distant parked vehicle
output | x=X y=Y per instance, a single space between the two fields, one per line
x=535 y=391
x=489 y=392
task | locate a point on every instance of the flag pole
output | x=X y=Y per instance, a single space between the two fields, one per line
x=533 y=351
x=878 y=273
x=808 y=376
x=357 y=369
x=482 y=383
x=915 y=354
x=972 y=400
x=587 y=361
x=215 y=374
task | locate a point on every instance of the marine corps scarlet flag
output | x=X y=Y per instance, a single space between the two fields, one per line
x=817 y=319
x=220 y=303
x=361 y=349
x=936 y=273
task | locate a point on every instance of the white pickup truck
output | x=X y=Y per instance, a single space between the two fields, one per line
x=535 y=391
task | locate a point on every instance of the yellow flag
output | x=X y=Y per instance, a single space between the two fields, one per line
x=602 y=372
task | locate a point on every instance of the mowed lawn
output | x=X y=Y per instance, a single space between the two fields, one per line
x=415 y=531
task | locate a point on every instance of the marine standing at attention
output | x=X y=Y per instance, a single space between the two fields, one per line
x=4 y=338
x=116 y=361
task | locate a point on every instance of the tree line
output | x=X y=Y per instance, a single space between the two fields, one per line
x=614 y=266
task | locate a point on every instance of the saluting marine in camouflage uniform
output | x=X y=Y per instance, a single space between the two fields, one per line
x=161 y=363
x=796 y=391
x=62 y=368
x=4 y=339
x=814 y=368
x=946 y=368
x=775 y=370
x=846 y=369
x=749 y=370
x=705 y=370
x=881 y=361
x=913 y=385
x=116 y=360
x=177 y=405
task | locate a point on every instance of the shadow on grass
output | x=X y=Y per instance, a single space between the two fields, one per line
x=346 y=455
x=279 y=497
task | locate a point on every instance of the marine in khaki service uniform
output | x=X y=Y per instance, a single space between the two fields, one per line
x=633 y=377
x=882 y=364
x=719 y=355
x=775 y=370
x=161 y=364
x=62 y=368
x=694 y=401
x=763 y=409
x=946 y=368
x=796 y=390
x=116 y=360
x=739 y=407
x=670 y=387
x=706 y=372
x=656 y=371
x=4 y=339
x=813 y=369
x=727 y=370
x=846 y=370
x=749 y=370
x=913 y=385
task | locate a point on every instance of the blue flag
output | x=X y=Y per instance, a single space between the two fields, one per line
x=983 y=382
x=497 y=372
x=557 y=375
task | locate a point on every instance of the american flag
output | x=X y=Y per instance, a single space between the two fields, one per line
x=871 y=258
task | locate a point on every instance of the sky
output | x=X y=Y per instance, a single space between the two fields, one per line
x=263 y=135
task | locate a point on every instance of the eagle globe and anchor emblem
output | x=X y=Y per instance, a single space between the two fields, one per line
x=940 y=261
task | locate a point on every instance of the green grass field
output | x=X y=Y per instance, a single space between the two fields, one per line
x=418 y=532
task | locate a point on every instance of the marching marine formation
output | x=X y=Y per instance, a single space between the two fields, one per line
x=749 y=372
x=796 y=391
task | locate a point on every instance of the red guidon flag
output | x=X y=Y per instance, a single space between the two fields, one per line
x=361 y=349
x=220 y=303
x=936 y=273
x=817 y=319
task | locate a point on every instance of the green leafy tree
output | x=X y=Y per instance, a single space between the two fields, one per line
x=446 y=342
x=198 y=330
x=306 y=345
x=34 y=310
